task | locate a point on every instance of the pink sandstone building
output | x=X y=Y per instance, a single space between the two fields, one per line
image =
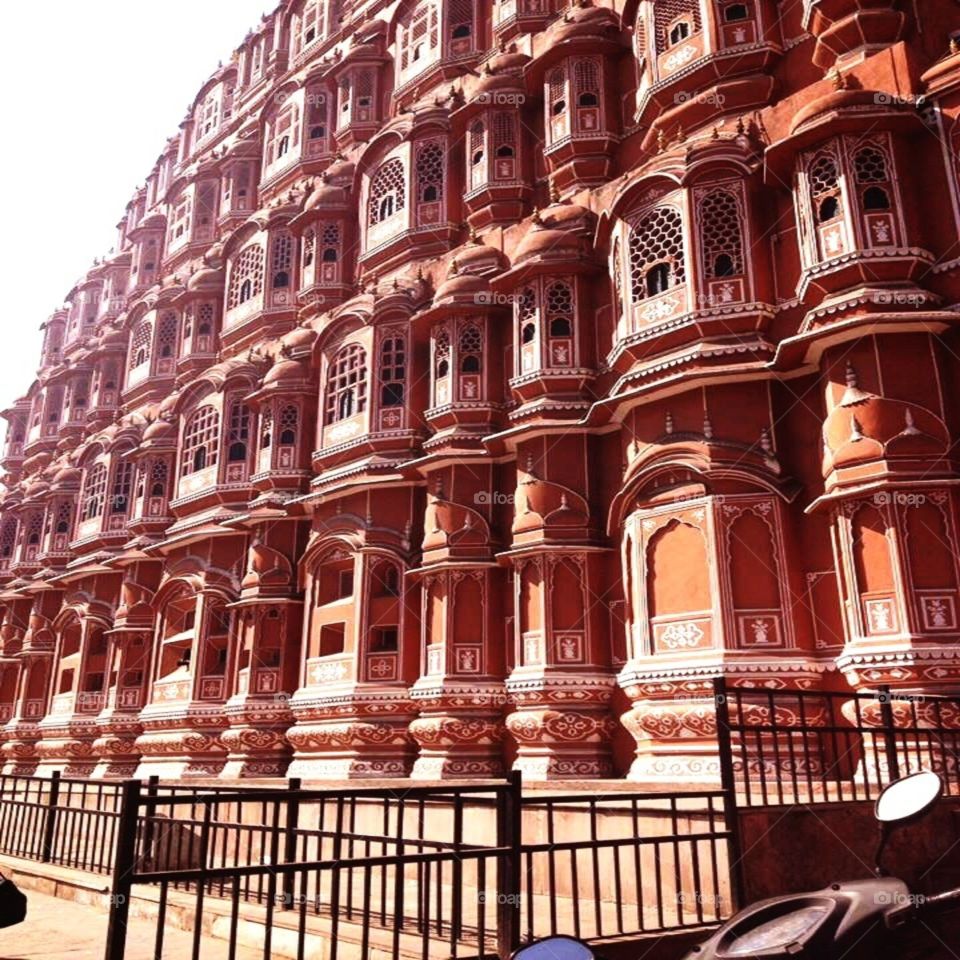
x=473 y=382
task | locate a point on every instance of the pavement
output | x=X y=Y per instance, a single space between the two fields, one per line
x=66 y=930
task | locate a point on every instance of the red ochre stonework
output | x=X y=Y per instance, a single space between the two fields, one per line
x=471 y=383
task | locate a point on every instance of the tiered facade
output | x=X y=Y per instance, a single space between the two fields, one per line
x=473 y=382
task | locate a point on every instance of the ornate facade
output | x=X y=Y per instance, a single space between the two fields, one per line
x=472 y=382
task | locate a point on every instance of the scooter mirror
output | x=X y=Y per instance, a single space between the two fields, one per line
x=555 y=948
x=908 y=798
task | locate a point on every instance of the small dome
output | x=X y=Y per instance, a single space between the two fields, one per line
x=284 y=372
x=461 y=285
x=840 y=100
x=207 y=279
x=326 y=195
x=340 y=172
x=66 y=474
x=160 y=430
x=36 y=487
x=583 y=22
x=300 y=339
x=557 y=234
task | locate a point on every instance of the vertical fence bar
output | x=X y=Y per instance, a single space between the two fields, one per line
x=290 y=840
x=124 y=867
x=728 y=784
x=509 y=834
x=50 y=817
x=889 y=734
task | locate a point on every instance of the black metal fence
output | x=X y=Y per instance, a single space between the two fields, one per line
x=399 y=871
x=71 y=823
x=624 y=864
x=797 y=746
x=465 y=871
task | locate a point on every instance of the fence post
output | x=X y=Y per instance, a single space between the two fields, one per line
x=728 y=783
x=148 y=825
x=124 y=868
x=50 y=818
x=509 y=835
x=889 y=734
x=290 y=840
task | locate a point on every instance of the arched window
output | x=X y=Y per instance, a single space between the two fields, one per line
x=504 y=143
x=239 y=438
x=476 y=165
x=870 y=168
x=289 y=424
x=62 y=518
x=281 y=260
x=470 y=348
x=656 y=253
x=167 y=334
x=346 y=383
x=309 y=247
x=675 y=21
x=586 y=82
x=559 y=310
x=140 y=344
x=158 y=478
x=266 y=428
x=330 y=241
x=387 y=191
x=200 y=440
x=825 y=189
x=441 y=352
x=528 y=327
x=418 y=39
x=557 y=91
x=736 y=12
x=429 y=171
x=122 y=484
x=721 y=235
x=246 y=280
x=679 y=32
x=393 y=371
x=94 y=492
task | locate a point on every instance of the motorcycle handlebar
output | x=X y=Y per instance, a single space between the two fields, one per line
x=950 y=900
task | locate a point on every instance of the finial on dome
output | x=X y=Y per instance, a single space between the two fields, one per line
x=454 y=268
x=668 y=423
x=535 y=216
x=838 y=79
x=554 y=192
x=661 y=141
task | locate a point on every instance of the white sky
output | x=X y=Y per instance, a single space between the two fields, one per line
x=90 y=90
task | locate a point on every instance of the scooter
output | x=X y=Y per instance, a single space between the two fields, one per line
x=879 y=919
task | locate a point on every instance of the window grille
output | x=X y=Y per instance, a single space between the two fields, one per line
x=95 y=491
x=200 y=440
x=656 y=253
x=393 y=371
x=721 y=236
x=347 y=383
x=429 y=168
x=387 y=191
x=246 y=281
